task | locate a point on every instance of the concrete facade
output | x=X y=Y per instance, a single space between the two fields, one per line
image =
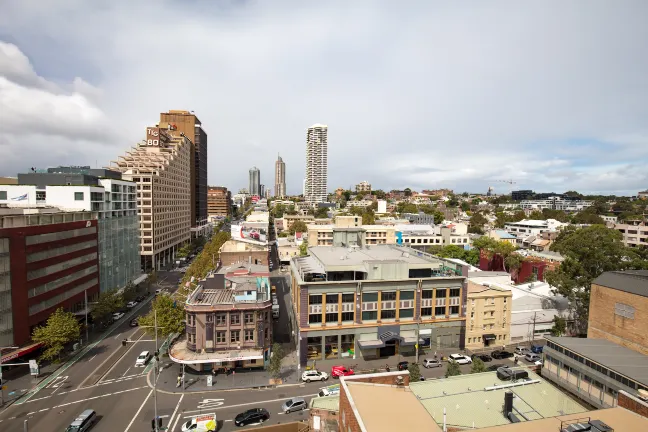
x=219 y=202
x=488 y=316
x=280 y=178
x=316 y=180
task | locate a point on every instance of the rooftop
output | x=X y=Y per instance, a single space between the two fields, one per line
x=472 y=399
x=331 y=403
x=631 y=281
x=240 y=269
x=616 y=357
x=477 y=288
x=331 y=255
x=377 y=404
x=504 y=235
x=530 y=222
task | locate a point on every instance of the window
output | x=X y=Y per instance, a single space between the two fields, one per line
x=427 y=294
x=235 y=319
x=347 y=298
x=220 y=337
x=249 y=335
x=220 y=319
x=406 y=313
x=314 y=347
x=439 y=311
x=332 y=299
x=249 y=318
x=332 y=318
x=315 y=318
x=315 y=299
x=369 y=315
x=441 y=293
x=235 y=336
x=388 y=314
x=454 y=310
x=210 y=318
x=388 y=296
x=624 y=310
x=455 y=292
x=369 y=297
x=426 y=311
x=78 y=196
x=3 y=195
x=265 y=333
x=347 y=316
x=407 y=295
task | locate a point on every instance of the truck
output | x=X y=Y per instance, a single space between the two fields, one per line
x=332 y=390
x=200 y=423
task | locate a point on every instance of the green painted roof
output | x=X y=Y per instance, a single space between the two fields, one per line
x=330 y=403
x=467 y=402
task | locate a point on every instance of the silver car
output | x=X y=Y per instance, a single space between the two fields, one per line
x=431 y=363
x=293 y=404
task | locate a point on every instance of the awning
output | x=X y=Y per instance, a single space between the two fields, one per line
x=489 y=336
x=20 y=352
x=410 y=341
x=371 y=344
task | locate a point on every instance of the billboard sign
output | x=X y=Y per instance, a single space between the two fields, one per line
x=243 y=232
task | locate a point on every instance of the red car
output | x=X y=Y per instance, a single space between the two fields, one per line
x=338 y=371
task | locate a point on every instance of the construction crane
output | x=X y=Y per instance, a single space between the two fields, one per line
x=510 y=183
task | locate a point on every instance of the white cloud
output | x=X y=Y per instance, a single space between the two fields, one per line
x=434 y=94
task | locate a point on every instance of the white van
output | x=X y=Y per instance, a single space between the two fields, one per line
x=332 y=390
x=201 y=423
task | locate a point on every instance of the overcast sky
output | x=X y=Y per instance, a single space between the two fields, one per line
x=419 y=94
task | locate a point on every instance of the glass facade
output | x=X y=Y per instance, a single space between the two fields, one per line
x=6 y=317
x=119 y=261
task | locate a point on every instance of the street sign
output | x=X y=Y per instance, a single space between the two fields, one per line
x=33 y=368
x=209 y=380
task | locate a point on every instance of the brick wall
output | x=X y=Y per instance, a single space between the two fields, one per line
x=325 y=417
x=605 y=324
x=632 y=403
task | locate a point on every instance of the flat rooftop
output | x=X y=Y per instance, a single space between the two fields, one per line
x=631 y=281
x=331 y=255
x=468 y=401
x=331 y=403
x=386 y=408
x=616 y=357
x=619 y=419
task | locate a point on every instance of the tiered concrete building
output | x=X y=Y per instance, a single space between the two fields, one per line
x=219 y=202
x=316 y=164
x=280 y=178
x=161 y=168
x=254 y=181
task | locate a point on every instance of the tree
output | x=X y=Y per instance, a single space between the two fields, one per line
x=170 y=317
x=451 y=251
x=478 y=220
x=588 y=252
x=414 y=371
x=321 y=212
x=356 y=211
x=206 y=260
x=587 y=217
x=303 y=248
x=380 y=194
x=407 y=192
x=478 y=366
x=559 y=326
x=184 y=251
x=61 y=328
x=108 y=302
x=465 y=206
x=274 y=367
x=536 y=215
x=452 y=370
x=405 y=207
x=368 y=218
x=513 y=261
x=130 y=292
x=298 y=226
x=438 y=217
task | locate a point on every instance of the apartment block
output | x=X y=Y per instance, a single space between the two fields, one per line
x=635 y=232
x=619 y=309
x=556 y=203
x=349 y=230
x=363 y=186
x=48 y=259
x=280 y=178
x=375 y=302
x=316 y=181
x=488 y=316
x=229 y=321
x=254 y=182
x=161 y=168
x=219 y=202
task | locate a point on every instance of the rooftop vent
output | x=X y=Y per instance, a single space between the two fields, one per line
x=399 y=380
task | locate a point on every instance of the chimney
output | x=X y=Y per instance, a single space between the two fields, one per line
x=508 y=404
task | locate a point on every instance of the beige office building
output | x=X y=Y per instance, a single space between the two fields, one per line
x=219 y=201
x=488 y=316
x=160 y=165
x=349 y=230
x=280 y=178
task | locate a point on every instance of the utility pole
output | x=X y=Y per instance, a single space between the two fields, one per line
x=85 y=291
x=417 y=341
x=157 y=356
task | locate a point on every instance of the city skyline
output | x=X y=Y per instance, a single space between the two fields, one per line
x=452 y=97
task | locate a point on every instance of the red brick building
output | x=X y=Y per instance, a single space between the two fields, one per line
x=48 y=259
x=531 y=266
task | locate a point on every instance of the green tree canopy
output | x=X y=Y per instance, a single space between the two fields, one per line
x=61 y=328
x=368 y=218
x=321 y=212
x=170 y=316
x=588 y=252
x=587 y=217
x=478 y=366
x=303 y=248
x=108 y=302
x=204 y=262
x=559 y=326
x=298 y=226
x=452 y=370
x=276 y=361
x=414 y=371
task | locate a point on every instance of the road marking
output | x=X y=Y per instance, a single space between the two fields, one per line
x=92 y=358
x=252 y=403
x=58 y=381
x=116 y=362
x=210 y=403
x=138 y=411
x=45 y=397
x=174 y=413
x=125 y=372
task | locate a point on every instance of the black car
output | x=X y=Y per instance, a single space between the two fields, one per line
x=402 y=366
x=501 y=354
x=494 y=367
x=482 y=357
x=254 y=415
x=140 y=298
x=134 y=322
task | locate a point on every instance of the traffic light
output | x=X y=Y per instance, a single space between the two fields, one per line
x=124 y=342
x=159 y=423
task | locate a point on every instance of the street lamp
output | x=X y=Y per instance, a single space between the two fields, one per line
x=1 y=390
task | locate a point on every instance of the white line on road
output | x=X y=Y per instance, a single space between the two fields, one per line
x=174 y=413
x=124 y=374
x=119 y=359
x=250 y=403
x=92 y=358
x=138 y=411
x=34 y=400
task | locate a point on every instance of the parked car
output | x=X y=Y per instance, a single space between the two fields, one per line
x=521 y=350
x=494 y=367
x=338 y=371
x=501 y=354
x=254 y=415
x=117 y=316
x=482 y=357
x=140 y=298
x=134 y=322
x=143 y=359
x=294 y=404
x=158 y=291
x=431 y=363
x=459 y=359
x=131 y=304
x=537 y=349
x=314 y=375
x=401 y=366
x=532 y=357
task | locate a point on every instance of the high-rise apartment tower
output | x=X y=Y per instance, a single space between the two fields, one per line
x=280 y=178
x=316 y=163
x=255 y=181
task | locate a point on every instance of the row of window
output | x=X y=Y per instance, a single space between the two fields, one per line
x=61 y=235
x=54 y=268
x=61 y=297
x=38 y=256
x=49 y=286
x=221 y=318
x=478 y=339
x=315 y=299
x=385 y=314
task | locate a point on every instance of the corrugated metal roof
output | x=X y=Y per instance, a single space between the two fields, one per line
x=630 y=281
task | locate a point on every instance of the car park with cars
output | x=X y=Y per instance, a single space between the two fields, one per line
x=459 y=359
x=521 y=350
x=294 y=404
x=431 y=363
x=482 y=357
x=314 y=375
x=532 y=357
x=252 y=416
x=499 y=355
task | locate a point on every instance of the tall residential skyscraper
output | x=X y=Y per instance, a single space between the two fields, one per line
x=187 y=123
x=316 y=163
x=255 y=181
x=280 y=178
